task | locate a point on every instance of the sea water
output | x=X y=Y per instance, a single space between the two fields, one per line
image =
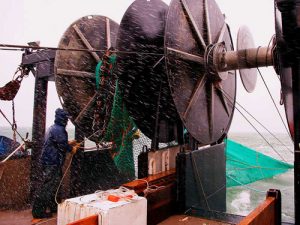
x=241 y=200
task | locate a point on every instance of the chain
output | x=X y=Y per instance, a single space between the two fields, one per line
x=14 y=124
x=99 y=110
x=24 y=72
x=102 y=107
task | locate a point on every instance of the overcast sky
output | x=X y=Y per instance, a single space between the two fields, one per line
x=22 y=21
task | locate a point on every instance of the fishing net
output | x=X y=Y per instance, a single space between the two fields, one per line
x=244 y=165
x=121 y=131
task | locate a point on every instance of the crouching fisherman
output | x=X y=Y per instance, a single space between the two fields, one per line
x=53 y=155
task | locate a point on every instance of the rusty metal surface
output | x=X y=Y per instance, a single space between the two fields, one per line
x=38 y=131
x=75 y=70
x=204 y=104
x=15 y=184
x=142 y=75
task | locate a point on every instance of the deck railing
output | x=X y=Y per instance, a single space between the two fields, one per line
x=267 y=213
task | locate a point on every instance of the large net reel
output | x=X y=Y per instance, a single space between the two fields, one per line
x=175 y=65
x=141 y=69
x=204 y=98
x=200 y=65
x=75 y=73
x=166 y=78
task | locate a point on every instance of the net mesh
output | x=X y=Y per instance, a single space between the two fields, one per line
x=245 y=165
x=121 y=131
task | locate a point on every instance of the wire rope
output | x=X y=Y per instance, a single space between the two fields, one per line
x=226 y=96
x=273 y=135
x=11 y=124
x=274 y=104
x=22 y=47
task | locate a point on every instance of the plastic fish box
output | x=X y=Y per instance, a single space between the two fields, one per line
x=123 y=212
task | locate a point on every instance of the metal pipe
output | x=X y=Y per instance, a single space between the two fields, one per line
x=244 y=59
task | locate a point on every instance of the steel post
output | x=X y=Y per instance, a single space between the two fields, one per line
x=296 y=100
x=38 y=131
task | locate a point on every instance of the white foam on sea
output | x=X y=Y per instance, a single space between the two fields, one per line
x=241 y=203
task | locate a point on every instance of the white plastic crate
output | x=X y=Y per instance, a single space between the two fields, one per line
x=123 y=212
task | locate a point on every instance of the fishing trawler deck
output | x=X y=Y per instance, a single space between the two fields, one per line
x=183 y=219
x=175 y=81
x=268 y=212
x=24 y=217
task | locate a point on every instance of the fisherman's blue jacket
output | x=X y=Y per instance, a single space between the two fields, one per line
x=56 y=141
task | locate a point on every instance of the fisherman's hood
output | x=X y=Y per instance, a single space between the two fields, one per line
x=61 y=117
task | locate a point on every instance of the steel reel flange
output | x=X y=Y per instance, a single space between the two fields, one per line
x=204 y=99
x=141 y=69
x=283 y=68
x=75 y=70
x=245 y=41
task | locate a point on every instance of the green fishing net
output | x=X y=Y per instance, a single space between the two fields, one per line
x=121 y=131
x=244 y=165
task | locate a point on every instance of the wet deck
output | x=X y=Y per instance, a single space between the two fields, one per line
x=189 y=220
x=24 y=217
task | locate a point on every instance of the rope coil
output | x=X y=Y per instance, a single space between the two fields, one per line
x=150 y=188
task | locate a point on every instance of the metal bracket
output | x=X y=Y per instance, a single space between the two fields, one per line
x=42 y=60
